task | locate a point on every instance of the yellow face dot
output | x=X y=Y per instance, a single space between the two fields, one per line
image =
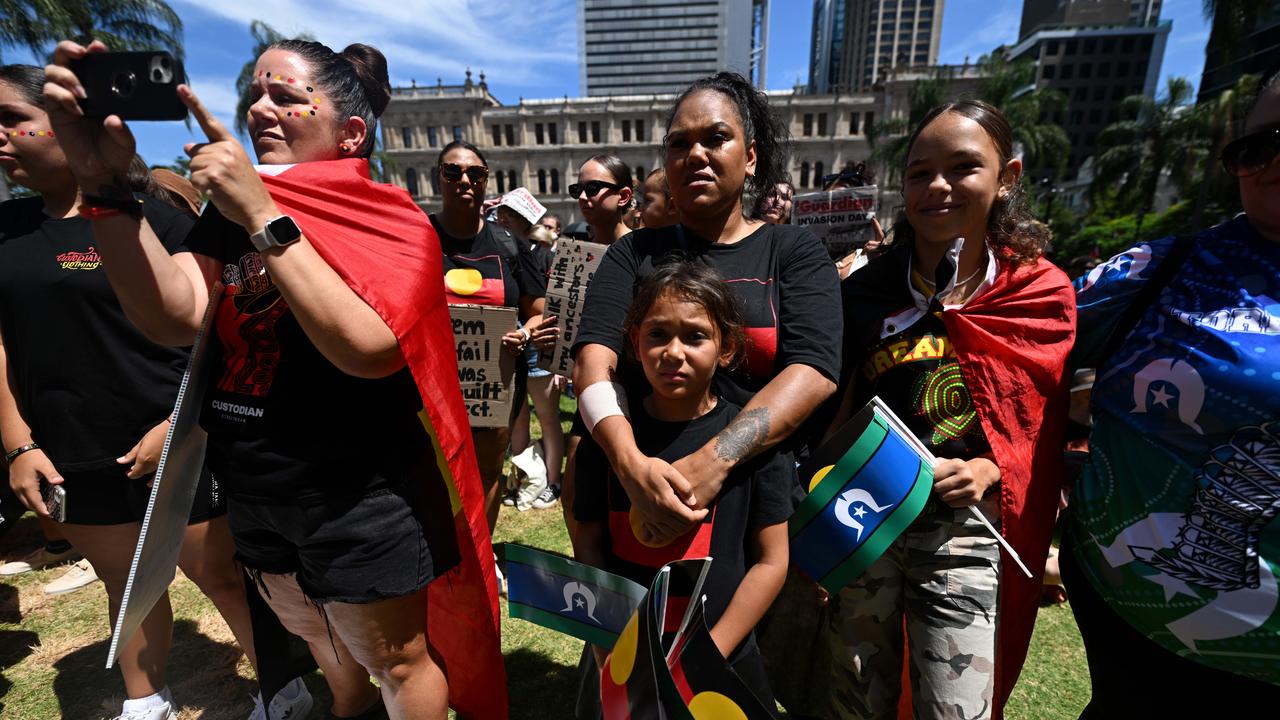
x=714 y=706
x=279 y=77
x=622 y=660
x=463 y=281
x=817 y=477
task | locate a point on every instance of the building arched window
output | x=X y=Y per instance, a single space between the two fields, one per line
x=411 y=180
x=542 y=182
x=502 y=182
x=555 y=182
x=804 y=174
x=817 y=175
x=435 y=181
x=511 y=179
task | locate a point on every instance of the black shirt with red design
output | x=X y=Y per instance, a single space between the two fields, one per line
x=283 y=421
x=782 y=275
x=482 y=270
x=88 y=382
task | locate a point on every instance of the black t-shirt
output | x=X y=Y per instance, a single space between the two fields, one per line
x=539 y=267
x=283 y=421
x=786 y=283
x=89 y=383
x=482 y=270
x=761 y=492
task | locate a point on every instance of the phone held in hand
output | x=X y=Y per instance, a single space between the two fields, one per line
x=133 y=85
x=55 y=500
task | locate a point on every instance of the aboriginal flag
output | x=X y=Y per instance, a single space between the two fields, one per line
x=708 y=685
x=576 y=599
x=635 y=683
x=384 y=247
x=866 y=485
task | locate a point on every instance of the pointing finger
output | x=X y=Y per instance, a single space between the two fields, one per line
x=213 y=128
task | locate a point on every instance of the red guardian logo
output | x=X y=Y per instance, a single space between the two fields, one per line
x=87 y=260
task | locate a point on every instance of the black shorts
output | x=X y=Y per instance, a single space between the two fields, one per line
x=107 y=496
x=351 y=550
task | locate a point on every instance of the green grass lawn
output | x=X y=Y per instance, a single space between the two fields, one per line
x=52 y=649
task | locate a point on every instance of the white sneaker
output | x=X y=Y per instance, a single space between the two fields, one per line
x=293 y=702
x=548 y=498
x=77 y=576
x=162 y=711
x=38 y=560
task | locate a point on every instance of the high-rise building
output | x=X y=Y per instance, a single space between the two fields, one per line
x=856 y=42
x=1096 y=52
x=637 y=47
x=1225 y=60
x=1038 y=14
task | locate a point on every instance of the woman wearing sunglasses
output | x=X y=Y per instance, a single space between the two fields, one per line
x=604 y=193
x=486 y=264
x=1173 y=544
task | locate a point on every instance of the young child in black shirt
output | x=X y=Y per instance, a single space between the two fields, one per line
x=683 y=325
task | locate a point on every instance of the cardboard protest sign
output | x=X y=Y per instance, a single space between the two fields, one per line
x=486 y=372
x=841 y=218
x=523 y=202
x=172 y=491
x=575 y=263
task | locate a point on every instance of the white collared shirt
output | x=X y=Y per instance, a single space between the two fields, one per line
x=907 y=317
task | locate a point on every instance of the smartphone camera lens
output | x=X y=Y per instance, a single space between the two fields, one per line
x=123 y=84
x=164 y=62
x=157 y=75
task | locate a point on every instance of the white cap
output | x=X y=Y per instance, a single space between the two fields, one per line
x=524 y=203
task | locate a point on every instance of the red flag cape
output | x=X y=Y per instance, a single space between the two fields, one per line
x=385 y=249
x=1012 y=343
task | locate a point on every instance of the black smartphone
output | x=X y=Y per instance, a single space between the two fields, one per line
x=55 y=500
x=133 y=85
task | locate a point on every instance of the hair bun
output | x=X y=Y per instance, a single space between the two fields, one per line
x=371 y=67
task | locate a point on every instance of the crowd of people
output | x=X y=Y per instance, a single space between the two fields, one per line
x=345 y=501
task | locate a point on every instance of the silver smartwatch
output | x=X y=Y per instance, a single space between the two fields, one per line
x=278 y=232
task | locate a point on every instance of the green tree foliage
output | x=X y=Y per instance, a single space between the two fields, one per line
x=1153 y=138
x=1217 y=196
x=38 y=25
x=1110 y=236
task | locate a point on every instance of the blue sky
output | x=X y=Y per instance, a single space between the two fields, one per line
x=528 y=48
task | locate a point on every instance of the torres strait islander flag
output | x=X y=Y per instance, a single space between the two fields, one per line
x=576 y=599
x=866 y=485
x=383 y=246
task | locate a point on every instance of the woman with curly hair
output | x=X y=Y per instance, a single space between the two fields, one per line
x=963 y=330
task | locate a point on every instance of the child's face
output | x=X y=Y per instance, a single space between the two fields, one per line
x=656 y=210
x=679 y=347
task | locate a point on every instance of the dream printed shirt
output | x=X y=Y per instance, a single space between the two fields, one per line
x=1174 y=516
x=761 y=492
x=283 y=421
x=88 y=382
x=787 y=285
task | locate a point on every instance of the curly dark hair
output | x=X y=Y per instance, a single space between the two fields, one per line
x=1015 y=235
x=697 y=283
x=760 y=124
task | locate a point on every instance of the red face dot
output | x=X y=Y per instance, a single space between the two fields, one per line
x=291 y=81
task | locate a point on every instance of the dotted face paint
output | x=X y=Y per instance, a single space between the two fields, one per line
x=31 y=133
x=315 y=100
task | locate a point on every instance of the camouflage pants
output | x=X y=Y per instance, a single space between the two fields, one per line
x=940 y=580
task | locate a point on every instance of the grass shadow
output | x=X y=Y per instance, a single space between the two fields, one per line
x=539 y=687
x=201 y=673
x=10 y=612
x=15 y=645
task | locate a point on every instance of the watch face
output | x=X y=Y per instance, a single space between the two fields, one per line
x=284 y=230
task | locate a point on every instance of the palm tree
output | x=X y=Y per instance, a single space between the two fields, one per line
x=264 y=36
x=889 y=137
x=1226 y=116
x=122 y=24
x=1154 y=138
x=1011 y=86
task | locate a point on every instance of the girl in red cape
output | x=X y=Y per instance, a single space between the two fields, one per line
x=963 y=329
x=334 y=416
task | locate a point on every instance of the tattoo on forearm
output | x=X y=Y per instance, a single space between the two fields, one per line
x=746 y=434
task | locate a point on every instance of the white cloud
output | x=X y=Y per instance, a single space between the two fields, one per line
x=515 y=40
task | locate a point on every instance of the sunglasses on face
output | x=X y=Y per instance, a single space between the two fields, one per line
x=591 y=188
x=1251 y=154
x=454 y=172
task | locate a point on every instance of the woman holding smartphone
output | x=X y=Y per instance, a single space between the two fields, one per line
x=85 y=407
x=335 y=421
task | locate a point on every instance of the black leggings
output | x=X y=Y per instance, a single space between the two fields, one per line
x=1134 y=677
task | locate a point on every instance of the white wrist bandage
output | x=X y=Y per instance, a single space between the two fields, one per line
x=601 y=400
